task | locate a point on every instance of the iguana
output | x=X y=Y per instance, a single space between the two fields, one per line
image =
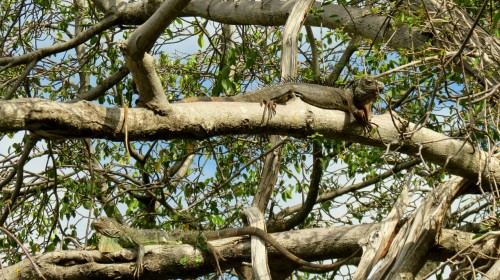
x=137 y=238
x=357 y=97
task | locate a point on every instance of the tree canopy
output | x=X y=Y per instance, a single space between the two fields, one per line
x=91 y=126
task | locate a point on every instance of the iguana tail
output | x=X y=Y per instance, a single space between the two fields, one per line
x=312 y=267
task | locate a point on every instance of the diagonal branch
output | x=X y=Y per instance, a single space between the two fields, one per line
x=30 y=144
x=354 y=187
x=141 y=64
x=312 y=195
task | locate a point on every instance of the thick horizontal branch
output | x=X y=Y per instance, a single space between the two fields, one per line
x=164 y=262
x=206 y=119
x=352 y=20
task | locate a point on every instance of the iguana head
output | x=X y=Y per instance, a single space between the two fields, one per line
x=107 y=227
x=366 y=90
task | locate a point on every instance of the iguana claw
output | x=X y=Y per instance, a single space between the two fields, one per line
x=139 y=268
x=269 y=107
x=139 y=263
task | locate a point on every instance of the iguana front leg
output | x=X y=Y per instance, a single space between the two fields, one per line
x=363 y=117
x=362 y=114
x=139 y=264
x=125 y=238
x=139 y=261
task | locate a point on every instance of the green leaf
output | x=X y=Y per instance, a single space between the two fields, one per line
x=226 y=85
x=297 y=167
x=184 y=260
x=201 y=41
x=169 y=33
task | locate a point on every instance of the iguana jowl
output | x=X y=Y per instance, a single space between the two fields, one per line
x=356 y=98
x=137 y=238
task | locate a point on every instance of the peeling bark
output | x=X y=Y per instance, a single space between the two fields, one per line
x=408 y=252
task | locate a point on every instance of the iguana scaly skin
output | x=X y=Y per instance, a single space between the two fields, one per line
x=356 y=98
x=137 y=238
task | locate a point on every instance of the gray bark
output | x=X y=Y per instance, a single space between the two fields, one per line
x=201 y=120
x=162 y=262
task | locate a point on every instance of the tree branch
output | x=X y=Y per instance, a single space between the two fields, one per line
x=38 y=54
x=163 y=261
x=202 y=120
x=312 y=195
x=411 y=245
x=330 y=195
x=141 y=64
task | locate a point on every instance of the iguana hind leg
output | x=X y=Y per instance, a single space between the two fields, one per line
x=215 y=253
x=269 y=108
